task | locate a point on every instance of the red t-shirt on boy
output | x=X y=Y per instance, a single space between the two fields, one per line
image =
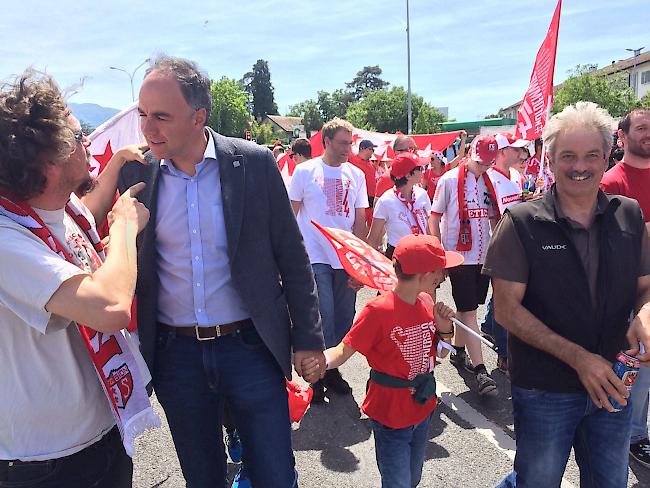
x=398 y=339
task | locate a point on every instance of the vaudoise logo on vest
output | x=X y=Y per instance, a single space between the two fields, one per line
x=554 y=247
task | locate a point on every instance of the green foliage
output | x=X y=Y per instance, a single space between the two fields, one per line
x=387 y=111
x=645 y=101
x=86 y=127
x=263 y=133
x=258 y=84
x=310 y=114
x=367 y=80
x=229 y=107
x=610 y=92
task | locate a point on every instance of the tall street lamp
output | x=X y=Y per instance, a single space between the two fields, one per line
x=131 y=75
x=633 y=74
x=408 y=64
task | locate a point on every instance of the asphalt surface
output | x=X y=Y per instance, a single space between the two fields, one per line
x=471 y=439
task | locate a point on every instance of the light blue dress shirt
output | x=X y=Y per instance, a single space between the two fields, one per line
x=192 y=250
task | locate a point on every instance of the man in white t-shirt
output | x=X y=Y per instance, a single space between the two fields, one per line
x=56 y=424
x=332 y=192
x=463 y=205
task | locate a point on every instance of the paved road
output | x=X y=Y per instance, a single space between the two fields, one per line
x=471 y=440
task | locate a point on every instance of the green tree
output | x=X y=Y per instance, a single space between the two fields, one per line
x=367 y=80
x=258 y=84
x=262 y=133
x=386 y=111
x=429 y=120
x=334 y=104
x=310 y=114
x=229 y=107
x=645 y=101
x=610 y=92
x=86 y=127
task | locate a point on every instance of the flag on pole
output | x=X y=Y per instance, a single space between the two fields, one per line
x=536 y=105
x=362 y=262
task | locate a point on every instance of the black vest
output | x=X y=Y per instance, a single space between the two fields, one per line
x=557 y=291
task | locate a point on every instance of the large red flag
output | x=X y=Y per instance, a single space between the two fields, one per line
x=536 y=106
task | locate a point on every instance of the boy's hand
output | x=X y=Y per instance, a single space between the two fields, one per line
x=442 y=315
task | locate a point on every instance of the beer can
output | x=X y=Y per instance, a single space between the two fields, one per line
x=626 y=368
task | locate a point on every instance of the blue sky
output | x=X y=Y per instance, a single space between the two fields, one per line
x=474 y=56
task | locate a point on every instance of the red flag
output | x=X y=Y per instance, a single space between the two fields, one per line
x=363 y=263
x=536 y=105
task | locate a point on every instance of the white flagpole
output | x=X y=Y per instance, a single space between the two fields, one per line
x=474 y=333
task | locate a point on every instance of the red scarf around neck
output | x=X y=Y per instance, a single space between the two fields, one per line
x=116 y=360
x=465 y=228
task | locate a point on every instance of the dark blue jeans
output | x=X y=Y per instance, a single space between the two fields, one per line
x=496 y=330
x=336 y=302
x=104 y=464
x=548 y=424
x=192 y=379
x=400 y=453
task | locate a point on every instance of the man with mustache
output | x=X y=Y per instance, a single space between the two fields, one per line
x=631 y=178
x=568 y=270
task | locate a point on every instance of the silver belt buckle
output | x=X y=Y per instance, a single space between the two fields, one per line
x=217 y=333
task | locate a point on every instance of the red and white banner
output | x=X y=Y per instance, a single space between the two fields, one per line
x=537 y=102
x=119 y=131
x=362 y=262
x=427 y=143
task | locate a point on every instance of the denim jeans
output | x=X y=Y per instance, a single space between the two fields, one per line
x=336 y=301
x=639 y=402
x=192 y=379
x=496 y=330
x=548 y=424
x=400 y=453
x=103 y=464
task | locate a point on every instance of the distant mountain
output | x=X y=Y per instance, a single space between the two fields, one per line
x=91 y=113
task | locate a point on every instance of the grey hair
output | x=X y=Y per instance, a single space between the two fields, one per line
x=194 y=83
x=586 y=115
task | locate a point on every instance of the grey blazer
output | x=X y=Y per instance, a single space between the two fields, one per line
x=268 y=261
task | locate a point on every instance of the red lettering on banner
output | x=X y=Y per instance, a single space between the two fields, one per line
x=105 y=346
x=478 y=213
x=511 y=198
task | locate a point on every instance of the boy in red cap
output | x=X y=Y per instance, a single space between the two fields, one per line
x=398 y=333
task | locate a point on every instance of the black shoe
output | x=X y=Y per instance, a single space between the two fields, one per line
x=335 y=382
x=461 y=360
x=641 y=452
x=319 y=392
x=486 y=385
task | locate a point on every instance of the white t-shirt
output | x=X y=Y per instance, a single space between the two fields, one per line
x=51 y=402
x=507 y=190
x=329 y=196
x=481 y=209
x=399 y=219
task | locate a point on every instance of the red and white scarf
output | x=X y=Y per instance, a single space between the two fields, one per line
x=465 y=228
x=117 y=361
x=420 y=222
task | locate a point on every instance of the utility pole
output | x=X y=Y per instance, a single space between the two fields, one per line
x=408 y=64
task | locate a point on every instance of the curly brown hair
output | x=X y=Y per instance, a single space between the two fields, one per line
x=34 y=132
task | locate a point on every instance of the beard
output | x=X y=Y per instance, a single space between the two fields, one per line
x=86 y=186
x=636 y=148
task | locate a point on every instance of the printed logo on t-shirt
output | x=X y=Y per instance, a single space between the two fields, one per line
x=83 y=252
x=336 y=196
x=414 y=343
x=510 y=198
x=477 y=213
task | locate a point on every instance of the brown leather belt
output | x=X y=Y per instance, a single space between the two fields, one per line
x=207 y=333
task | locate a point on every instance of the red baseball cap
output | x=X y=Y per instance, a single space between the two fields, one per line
x=506 y=139
x=403 y=164
x=484 y=149
x=423 y=253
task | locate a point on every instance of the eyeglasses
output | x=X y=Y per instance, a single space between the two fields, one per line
x=407 y=149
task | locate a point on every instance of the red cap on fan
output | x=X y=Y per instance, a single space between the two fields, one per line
x=424 y=253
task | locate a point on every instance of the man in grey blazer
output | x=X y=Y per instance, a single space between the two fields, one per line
x=225 y=288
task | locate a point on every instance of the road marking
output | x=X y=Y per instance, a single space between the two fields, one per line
x=492 y=432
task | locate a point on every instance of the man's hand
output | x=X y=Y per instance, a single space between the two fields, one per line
x=127 y=207
x=600 y=381
x=354 y=284
x=303 y=362
x=132 y=152
x=639 y=332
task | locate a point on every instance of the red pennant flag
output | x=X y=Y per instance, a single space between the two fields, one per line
x=536 y=105
x=363 y=263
